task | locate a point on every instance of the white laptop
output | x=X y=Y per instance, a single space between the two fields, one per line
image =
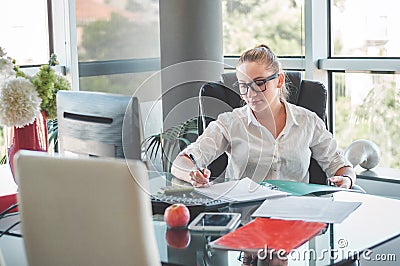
x=78 y=211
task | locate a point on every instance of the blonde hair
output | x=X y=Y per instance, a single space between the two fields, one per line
x=262 y=54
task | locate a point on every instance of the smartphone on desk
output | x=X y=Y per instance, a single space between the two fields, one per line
x=215 y=222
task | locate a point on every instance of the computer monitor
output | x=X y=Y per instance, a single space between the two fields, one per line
x=98 y=124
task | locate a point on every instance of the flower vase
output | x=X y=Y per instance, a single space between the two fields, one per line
x=30 y=137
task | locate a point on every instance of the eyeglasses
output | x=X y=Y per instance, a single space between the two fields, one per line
x=244 y=87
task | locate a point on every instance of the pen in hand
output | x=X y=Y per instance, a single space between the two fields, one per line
x=195 y=164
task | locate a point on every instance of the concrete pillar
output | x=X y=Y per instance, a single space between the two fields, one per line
x=191 y=54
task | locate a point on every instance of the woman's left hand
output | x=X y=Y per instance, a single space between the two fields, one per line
x=340 y=181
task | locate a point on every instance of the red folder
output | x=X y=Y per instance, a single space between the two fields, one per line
x=269 y=233
x=7 y=201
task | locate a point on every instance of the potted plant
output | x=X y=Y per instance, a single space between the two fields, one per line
x=165 y=143
x=27 y=103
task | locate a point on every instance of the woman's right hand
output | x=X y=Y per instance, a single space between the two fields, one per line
x=200 y=180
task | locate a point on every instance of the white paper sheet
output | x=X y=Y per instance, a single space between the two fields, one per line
x=240 y=191
x=314 y=209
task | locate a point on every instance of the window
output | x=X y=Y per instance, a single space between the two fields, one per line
x=113 y=29
x=143 y=85
x=24 y=31
x=118 y=49
x=276 y=23
x=367 y=107
x=113 y=32
x=365 y=28
x=24 y=36
x=367 y=94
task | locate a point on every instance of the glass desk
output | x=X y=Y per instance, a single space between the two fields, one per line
x=195 y=201
x=369 y=226
x=373 y=225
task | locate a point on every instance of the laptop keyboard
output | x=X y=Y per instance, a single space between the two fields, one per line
x=195 y=204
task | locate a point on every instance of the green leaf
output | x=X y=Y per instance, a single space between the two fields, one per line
x=170 y=138
x=3 y=160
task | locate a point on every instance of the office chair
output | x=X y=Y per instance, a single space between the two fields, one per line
x=218 y=97
x=85 y=211
x=214 y=99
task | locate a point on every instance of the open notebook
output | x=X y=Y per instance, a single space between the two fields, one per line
x=242 y=190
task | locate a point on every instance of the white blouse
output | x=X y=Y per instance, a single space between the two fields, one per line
x=253 y=151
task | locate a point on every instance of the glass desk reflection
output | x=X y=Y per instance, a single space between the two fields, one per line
x=373 y=225
x=367 y=227
x=165 y=189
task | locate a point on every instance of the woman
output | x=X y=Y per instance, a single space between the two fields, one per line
x=268 y=138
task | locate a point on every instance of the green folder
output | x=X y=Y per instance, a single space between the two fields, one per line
x=301 y=188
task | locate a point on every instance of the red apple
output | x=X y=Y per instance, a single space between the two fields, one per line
x=177 y=238
x=177 y=215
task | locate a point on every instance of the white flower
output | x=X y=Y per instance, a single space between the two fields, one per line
x=6 y=69
x=2 y=53
x=19 y=103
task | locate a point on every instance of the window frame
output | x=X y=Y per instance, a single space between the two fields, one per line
x=317 y=64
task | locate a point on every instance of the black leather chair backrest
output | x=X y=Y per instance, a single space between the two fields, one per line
x=313 y=97
x=293 y=82
x=215 y=98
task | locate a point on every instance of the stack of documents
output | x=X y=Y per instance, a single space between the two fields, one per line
x=304 y=208
x=240 y=191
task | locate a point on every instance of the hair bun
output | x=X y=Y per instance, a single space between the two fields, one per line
x=263 y=46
